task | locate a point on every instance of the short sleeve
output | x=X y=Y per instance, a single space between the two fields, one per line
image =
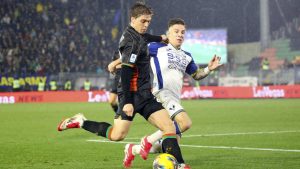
x=191 y=67
x=152 y=38
x=153 y=47
x=129 y=50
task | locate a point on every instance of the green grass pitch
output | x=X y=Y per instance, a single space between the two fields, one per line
x=233 y=134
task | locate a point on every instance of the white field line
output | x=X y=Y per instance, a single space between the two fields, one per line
x=211 y=147
x=115 y=142
x=217 y=147
x=241 y=148
x=246 y=133
x=229 y=134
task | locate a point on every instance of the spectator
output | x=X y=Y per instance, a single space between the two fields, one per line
x=68 y=85
x=296 y=61
x=265 y=65
x=41 y=86
x=87 y=85
x=16 y=84
x=53 y=85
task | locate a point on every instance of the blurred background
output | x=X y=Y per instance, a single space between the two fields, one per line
x=73 y=41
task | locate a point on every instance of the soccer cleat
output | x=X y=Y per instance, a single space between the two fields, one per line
x=73 y=122
x=129 y=157
x=183 y=166
x=145 y=148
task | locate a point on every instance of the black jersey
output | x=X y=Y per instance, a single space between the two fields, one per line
x=134 y=50
x=116 y=55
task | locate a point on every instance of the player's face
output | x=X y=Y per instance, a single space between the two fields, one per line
x=141 y=23
x=176 y=35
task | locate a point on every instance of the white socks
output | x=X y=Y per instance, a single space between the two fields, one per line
x=155 y=137
x=154 y=140
x=156 y=148
x=136 y=149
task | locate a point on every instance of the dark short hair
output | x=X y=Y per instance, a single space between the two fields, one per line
x=175 y=21
x=139 y=9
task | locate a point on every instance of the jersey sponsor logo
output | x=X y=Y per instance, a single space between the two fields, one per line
x=132 y=58
x=172 y=107
x=177 y=62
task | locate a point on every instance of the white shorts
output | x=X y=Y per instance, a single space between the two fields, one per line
x=170 y=102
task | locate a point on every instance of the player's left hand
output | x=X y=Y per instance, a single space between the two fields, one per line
x=214 y=63
x=128 y=109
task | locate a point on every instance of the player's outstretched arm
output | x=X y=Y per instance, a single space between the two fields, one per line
x=212 y=65
x=154 y=38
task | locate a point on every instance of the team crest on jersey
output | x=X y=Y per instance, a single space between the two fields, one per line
x=132 y=58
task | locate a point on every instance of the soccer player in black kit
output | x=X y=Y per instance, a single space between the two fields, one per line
x=135 y=95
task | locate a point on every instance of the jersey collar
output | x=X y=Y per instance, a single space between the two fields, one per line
x=172 y=47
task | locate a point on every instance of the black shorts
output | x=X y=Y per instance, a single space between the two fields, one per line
x=115 y=82
x=144 y=103
x=114 y=86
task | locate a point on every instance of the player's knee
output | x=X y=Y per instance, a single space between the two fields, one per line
x=184 y=123
x=184 y=126
x=119 y=137
x=168 y=127
x=113 y=104
x=111 y=101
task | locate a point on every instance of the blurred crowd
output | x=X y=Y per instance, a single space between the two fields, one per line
x=49 y=37
x=290 y=30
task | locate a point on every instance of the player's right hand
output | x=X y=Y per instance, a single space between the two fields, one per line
x=111 y=68
x=214 y=63
x=164 y=38
x=128 y=109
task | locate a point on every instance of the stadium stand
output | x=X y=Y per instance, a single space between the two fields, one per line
x=35 y=38
x=70 y=39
